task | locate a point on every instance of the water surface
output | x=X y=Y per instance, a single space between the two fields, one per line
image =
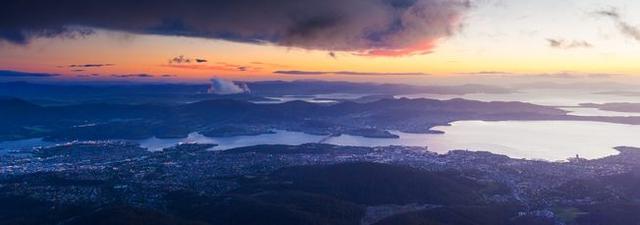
x=548 y=140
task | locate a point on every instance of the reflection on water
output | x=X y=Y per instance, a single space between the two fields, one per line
x=549 y=140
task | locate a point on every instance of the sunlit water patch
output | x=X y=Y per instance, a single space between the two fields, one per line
x=549 y=140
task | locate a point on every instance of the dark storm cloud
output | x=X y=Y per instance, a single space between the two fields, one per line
x=366 y=26
x=625 y=27
x=566 y=44
x=298 y=72
x=16 y=34
x=11 y=73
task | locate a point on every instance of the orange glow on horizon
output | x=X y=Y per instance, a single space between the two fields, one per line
x=149 y=54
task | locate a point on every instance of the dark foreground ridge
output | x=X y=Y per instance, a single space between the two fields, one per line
x=121 y=183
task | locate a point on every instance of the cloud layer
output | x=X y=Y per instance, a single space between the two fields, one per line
x=19 y=74
x=226 y=87
x=89 y=65
x=302 y=72
x=625 y=27
x=566 y=44
x=369 y=27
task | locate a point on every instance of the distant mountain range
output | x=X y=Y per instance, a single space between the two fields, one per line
x=74 y=93
x=99 y=121
x=99 y=112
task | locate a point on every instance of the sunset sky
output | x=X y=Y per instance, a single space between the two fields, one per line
x=254 y=39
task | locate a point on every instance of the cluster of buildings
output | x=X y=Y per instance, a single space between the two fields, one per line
x=118 y=171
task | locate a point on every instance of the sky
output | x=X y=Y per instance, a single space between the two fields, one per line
x=307 y=39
